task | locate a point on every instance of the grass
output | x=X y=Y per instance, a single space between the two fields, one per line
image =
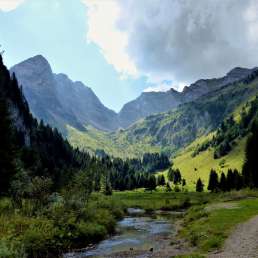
x=60 y=228
x=57 y=228
x=207 y=230
x=116 y=144
x=191 y=167
x=199 y=166
x=159 y=200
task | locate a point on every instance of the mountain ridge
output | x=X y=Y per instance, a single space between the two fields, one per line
x=46 y=93
x=59 y=101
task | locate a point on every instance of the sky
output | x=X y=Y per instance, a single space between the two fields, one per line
x=121 y=48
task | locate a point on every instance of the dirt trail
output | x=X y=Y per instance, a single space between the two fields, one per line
x=242 y=243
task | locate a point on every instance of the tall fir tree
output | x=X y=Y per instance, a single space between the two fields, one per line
x=213 y=181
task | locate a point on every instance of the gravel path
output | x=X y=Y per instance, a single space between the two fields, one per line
x=242 y=243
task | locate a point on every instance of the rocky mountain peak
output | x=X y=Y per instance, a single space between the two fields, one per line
x=238 y=72
x=34 y=65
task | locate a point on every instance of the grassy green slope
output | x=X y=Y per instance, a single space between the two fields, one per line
x=116 y=144
x=199 y=166
x=171 y=131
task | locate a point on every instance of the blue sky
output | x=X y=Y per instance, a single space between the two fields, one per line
x=120 y=48
x=58 y=32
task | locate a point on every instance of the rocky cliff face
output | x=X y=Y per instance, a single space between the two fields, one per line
x=147 y=104
x=202 y=87
x=83 y=102
x=59 y=101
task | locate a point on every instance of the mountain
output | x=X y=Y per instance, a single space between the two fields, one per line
x=156 y=102
x=202 y=87
x=148 y=103
x=27 y=148
x=82 y=101
x=174 y=130
x=59 y=101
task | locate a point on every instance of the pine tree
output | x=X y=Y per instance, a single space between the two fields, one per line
x=161 y=180
x=151 y=185
x=177 y=177
x=213 y=181
x=250 y=173
x=199 y=185
x=230 y=180
x=168 y=187
x=223 y=183
x=171 y=174
x=7 y=153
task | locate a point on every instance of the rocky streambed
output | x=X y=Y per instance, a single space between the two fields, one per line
x=139 y=235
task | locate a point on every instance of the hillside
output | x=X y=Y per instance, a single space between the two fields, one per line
x=171 y=131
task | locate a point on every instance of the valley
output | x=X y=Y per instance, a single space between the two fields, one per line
x=73 y=190
x=128 y=129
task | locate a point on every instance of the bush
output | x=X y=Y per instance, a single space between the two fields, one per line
x=90 y=232
x=11 y=249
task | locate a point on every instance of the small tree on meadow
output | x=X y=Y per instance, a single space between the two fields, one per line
x=152 y=183
x=161 y=180
x=199 y=185
x=168 y=187
x=213 y=181
x=171 y=174
x=223 y=183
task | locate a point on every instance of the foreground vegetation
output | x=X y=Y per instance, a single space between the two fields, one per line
x=62 y=226
x=206 y=226
x=209 y=218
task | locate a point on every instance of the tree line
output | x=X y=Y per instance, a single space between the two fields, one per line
x=229 y=130
x=234 y=180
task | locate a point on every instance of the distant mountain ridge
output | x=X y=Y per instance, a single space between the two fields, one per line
x=59 y=101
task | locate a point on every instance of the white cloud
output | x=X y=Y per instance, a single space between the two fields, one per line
x=164 y=86
x=103 y=31
x=161 y=87
x=177 y=40
x=8 y=5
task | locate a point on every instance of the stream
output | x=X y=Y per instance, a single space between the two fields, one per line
x=138 y=235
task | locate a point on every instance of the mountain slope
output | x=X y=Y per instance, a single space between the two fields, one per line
x=83 y=102
x=148 y=103
x=37 y=80
x=58 y=100
x=34 y=149
x=171 y=131
x=156 y=102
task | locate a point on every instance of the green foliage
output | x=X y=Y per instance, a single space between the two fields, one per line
x=161 y=180
x=230 y=130
x=213 y=181
x=207 y=229
x=7 y=151
x=250 y=166
x=56 y=228
x=199 y=185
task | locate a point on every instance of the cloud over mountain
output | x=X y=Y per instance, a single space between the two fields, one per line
x=180 y=40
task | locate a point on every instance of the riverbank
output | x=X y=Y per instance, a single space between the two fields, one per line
x=141 y=234
x=64 y=226
x=58 y=227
